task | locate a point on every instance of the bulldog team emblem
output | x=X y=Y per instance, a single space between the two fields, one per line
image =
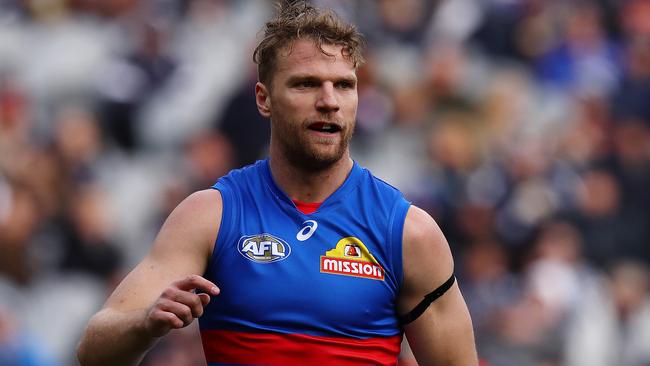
x=350 y=257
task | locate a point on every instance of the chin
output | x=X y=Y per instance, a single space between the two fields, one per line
x=315 y=161
x=313 y=156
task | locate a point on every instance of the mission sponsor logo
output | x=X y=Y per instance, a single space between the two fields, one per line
x=263 y=248
x=350 y=257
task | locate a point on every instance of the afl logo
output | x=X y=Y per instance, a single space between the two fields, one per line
x=263 y=248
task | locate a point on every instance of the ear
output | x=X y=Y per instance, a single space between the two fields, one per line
x=263 y=100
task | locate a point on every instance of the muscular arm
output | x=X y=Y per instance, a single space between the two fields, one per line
x=443 y=334
x=158 y=295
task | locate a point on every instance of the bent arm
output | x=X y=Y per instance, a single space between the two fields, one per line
x=443 y=334
x=158 y=295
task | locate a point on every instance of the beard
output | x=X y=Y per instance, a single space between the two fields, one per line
x=307 y=153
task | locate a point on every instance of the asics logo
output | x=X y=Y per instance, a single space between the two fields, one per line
x=307 y=231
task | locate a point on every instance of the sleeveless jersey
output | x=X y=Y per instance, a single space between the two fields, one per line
x=305 y=289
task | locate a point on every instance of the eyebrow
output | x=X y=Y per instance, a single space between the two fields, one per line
x=310 y=77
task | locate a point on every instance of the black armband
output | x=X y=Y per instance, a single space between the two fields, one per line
x=428 y=299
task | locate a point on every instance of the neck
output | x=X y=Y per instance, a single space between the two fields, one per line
x=309 y=186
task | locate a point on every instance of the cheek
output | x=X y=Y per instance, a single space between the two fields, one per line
x=354 y=107
x=292 y=106
x=351 y=104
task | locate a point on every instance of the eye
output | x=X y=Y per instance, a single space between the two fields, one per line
x=305 y=84
x=345 y=84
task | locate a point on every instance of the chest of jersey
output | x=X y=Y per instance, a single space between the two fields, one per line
x=329 y=273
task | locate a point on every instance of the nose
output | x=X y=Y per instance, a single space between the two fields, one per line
x=327 y=101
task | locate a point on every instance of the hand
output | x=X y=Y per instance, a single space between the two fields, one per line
x=178 y=305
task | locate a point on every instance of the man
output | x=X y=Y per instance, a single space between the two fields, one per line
x=304 y=258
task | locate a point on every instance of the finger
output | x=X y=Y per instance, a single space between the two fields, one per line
x=196 y=282
x=205 y=298
x=161 y=322
x=181 y=311
x=190 y=299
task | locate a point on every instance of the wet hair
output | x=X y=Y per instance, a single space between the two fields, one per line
x=300 y=20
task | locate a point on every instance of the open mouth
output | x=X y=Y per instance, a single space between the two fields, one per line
x=325 y=127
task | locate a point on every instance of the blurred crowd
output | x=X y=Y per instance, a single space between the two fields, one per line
x=522 y=126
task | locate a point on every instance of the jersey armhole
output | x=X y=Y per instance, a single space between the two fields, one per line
x=225 y=225
x=396 y=235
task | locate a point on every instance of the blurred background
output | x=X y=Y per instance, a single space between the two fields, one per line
x=521 y=126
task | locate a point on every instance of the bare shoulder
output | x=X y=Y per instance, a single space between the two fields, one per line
x=427 y=259
x=193 y=224
x=203 y=202
x=424 y=241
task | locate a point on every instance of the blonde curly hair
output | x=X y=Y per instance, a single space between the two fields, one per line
x=300 y=20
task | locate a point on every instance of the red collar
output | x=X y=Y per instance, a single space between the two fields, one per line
x=307 y=207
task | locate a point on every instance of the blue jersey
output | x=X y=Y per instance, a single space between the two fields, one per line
x=297 y=288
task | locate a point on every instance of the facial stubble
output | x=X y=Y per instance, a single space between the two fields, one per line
x=304 y=154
